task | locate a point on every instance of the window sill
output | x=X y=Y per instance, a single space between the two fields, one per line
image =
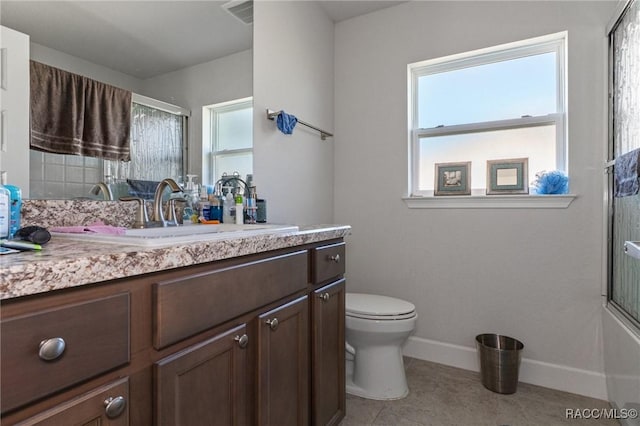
x=491 y=202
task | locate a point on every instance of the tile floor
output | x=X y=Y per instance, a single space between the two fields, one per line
x=446 y=396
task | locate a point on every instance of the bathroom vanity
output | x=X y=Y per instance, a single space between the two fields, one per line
x=239 y=332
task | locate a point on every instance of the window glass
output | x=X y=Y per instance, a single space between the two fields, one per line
x=498 y=103
x=228 y=127
x=233 y=131
x=230 y=163
x=538 y=144
x=496 y=91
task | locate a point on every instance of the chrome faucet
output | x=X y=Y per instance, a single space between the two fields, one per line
x=141 y=219
x=104 y=188
x=158 y=215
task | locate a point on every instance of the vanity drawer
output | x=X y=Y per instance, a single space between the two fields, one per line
x=95 y=335
x=328 y=262
x=188 y=305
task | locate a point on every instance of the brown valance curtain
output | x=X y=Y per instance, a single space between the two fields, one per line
x=72 y=114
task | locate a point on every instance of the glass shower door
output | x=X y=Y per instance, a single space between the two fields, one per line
x=624 y=287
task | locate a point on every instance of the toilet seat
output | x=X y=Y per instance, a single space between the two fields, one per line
x=379 y=308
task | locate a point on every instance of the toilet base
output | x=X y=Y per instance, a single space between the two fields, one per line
x=377 y=373
x=352 y=389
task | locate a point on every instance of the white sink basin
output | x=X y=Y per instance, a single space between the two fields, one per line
x=151 y=237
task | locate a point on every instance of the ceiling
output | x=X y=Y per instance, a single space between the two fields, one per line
x=147 y=38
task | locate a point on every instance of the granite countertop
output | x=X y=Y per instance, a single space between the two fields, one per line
x=65 y=263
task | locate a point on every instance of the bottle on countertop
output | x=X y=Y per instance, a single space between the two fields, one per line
x=252 y=207
x=216 y=203
x=15 y=205
x=226 y=207
x=239 y=209
x=204 y=207
x=191 y=195
x=5 y=211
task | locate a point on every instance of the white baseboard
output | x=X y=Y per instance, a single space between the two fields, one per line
x=554 y=376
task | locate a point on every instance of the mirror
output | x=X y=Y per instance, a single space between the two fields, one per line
x=185 y=53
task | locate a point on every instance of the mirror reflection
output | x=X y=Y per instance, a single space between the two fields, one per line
x=184 y=61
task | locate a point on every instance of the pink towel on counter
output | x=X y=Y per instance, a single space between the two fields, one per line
x=96 y=228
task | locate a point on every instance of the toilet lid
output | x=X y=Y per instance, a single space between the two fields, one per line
x=373 y=306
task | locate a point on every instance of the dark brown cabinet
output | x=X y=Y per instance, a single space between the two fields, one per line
x=205 y=384
x=327 y=354
x=253 y=340
x=283 y=365
x=50 y=349
x=105 y=406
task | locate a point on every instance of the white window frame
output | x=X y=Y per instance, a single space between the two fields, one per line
x=545 y=44
x=210 y=116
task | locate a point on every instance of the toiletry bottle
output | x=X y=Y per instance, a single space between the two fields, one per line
x=226 y=208
x=204 y=206
x=215 y=200
x=252 y=207
x=239 y=209
x=15 y=204
x=5 y=209
x=192 y=197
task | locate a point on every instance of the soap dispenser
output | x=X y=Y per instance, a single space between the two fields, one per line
x=192 y=197
x=217 y=203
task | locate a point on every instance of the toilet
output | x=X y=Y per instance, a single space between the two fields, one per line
x=376 y=327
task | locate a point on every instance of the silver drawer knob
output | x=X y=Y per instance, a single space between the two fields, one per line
x=325 y=297
x=273 y=323
x=243 y=340
x=113 y=407
x=51 y=349
x=335 y=258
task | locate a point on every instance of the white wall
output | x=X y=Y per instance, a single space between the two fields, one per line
x=531 y=274
x=220 y=80
x=293 y=71
x=64 y=61
x=14 y=107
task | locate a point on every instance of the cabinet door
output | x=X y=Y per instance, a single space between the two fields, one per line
x=328 y=396
x=283 y=365
x=105 y=406
x=205 y=384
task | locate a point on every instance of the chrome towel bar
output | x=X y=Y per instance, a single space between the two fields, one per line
x=271 y=115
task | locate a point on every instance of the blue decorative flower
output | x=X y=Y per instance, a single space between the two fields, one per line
x=553 y=182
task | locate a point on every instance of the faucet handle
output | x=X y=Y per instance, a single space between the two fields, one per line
x=171 y=217
x=142 y=219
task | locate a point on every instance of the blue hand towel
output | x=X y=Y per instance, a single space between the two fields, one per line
x=625 y=178
x=286 y=122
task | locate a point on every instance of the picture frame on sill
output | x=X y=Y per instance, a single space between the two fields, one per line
x=510 y=176
x=452 y=179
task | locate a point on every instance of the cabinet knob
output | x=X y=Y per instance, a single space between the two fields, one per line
x=335 y=258
x=113 y=407
x=325 y=297
x=243 y=340
x=51 y=349
x=273 y=323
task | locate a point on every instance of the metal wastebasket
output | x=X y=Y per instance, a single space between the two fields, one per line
x=499 y=362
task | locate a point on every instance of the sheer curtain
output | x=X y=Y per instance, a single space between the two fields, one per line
x=156 y=147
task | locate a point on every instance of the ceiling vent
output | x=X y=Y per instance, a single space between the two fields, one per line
x=241 y=9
